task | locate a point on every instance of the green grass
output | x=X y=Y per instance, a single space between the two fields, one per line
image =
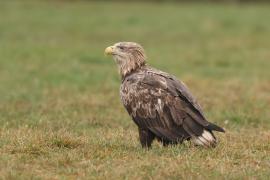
x=60 y=111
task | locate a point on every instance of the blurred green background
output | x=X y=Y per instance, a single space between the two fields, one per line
x=56 y=49
x=54 y=76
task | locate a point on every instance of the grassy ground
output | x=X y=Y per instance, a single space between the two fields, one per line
x=60 y=112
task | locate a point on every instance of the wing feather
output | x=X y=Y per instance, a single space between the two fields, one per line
x=178 y=89
x=162 y=104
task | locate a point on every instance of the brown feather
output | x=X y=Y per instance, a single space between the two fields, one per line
x=158 y=103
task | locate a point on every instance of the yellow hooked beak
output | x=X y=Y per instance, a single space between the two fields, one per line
x=109 y=50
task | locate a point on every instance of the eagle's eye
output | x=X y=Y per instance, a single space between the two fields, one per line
x=121 y=47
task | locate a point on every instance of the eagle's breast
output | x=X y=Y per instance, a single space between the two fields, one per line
x=141 y=100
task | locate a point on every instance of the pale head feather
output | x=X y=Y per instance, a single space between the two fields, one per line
x=129 y=56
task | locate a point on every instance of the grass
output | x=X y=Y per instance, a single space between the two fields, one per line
x=60 y=111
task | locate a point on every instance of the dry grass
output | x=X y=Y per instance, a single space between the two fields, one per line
x=60 y=112
x=114 y=153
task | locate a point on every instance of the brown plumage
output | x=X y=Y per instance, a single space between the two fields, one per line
x=160 y=105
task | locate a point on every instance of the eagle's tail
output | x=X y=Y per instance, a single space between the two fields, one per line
x=207 y=138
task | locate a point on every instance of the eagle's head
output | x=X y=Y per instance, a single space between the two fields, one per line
x=128 y=55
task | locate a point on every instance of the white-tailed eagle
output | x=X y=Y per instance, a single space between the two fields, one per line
x=160 y=105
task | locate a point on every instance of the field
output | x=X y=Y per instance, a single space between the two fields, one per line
x=60 y=111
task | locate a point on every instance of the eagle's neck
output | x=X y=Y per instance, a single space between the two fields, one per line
x=124 y=72
x=129 y=65
x=130 y=62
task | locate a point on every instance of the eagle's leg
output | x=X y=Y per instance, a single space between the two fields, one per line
x=166 y=142
x=146 y=137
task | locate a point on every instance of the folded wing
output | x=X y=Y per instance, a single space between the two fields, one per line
x=162 y=104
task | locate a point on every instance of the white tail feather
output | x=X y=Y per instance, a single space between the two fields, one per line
x=197 y=141
x=206 y=139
